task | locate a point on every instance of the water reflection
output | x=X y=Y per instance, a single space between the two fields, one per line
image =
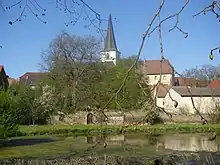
x=192 y=143
x=114 y=140
x=178 y=142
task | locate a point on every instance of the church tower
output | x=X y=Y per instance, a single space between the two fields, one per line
x=110 y=52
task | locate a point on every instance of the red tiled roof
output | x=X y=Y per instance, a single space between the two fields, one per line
x=31 y=78
x=184 y=81
x=1 y=67
x=154 y=67
x=214 y=84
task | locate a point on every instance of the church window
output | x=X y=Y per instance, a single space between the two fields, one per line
x=107 y=56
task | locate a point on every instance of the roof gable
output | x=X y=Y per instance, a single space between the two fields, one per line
x=162 y=90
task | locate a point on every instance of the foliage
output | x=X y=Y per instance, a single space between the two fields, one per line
x=152 y=115
x=29 y=102
x=184 y=110
x=131 y=97
x=9 y=115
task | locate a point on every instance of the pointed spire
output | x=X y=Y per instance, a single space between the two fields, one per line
x=110 y=43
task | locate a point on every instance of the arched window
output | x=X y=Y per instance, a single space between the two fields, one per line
x=155 y=77
x=90 y=118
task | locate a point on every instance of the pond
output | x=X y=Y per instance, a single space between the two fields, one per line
x=133 y=149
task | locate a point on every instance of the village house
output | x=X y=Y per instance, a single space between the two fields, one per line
x=3 y=79
x=204 y=99
x=32 y=78
x=191 y=82
x=154 y=68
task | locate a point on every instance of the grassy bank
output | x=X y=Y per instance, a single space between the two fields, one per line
x=97 y=129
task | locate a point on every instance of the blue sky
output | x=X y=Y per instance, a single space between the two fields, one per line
x=23 y=42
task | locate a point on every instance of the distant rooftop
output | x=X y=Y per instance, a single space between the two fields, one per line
x=197 y=92
x=154 y=67
x=31 y=78
x=214 y=84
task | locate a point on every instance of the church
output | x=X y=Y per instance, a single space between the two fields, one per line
x=151 y=68
x=110 y=52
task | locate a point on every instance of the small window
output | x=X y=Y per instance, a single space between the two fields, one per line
x=107 y=56
x=27 y=77
x=155 y=77
x=164 y=77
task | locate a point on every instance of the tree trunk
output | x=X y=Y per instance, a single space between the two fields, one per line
x=33 y=121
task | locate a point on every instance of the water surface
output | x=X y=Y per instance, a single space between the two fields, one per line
x=134 y=145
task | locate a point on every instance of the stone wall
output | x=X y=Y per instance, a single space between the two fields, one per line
x=119 y=118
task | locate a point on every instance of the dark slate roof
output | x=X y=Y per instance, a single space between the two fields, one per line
x=197 y=92
x=31 y=78
x=110 y=43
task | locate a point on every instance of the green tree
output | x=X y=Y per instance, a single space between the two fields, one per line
x=132 y=95
x=9 y=115
x=29 y=104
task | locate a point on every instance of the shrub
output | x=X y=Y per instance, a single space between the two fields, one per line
x=184 y=110
x=8 y=115
x=152 y=113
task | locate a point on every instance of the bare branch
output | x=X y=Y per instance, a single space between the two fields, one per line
x=2 y=7
x=37 y=10
x=170 y=17
x=210 y=8
x=216 y=3
x=76 y=9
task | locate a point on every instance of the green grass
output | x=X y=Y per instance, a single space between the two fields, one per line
x=97 y=129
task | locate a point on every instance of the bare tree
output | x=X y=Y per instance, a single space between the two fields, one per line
x=205 y=72
x=69 y=60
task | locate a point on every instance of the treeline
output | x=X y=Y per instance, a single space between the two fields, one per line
x=75 y=81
